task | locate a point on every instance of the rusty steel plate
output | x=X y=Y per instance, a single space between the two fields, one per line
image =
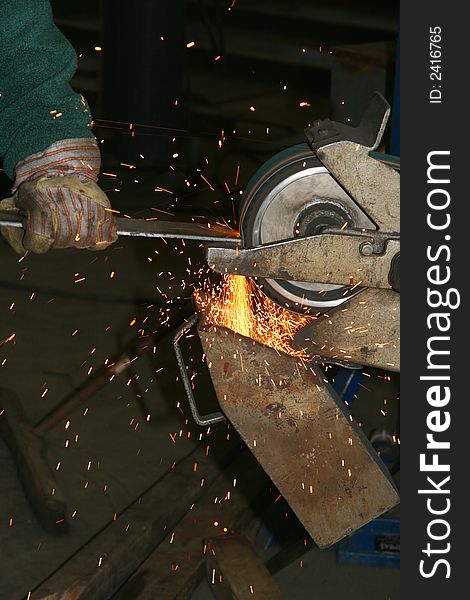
x=301 y=433
x=365 y=331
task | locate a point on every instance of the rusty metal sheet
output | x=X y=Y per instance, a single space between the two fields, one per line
x=365 y=331
x=301 y=433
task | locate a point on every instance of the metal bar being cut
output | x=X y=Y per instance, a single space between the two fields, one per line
x=215 y=234
x=301 y=433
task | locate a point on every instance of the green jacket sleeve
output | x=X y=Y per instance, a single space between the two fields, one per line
x=37 y=105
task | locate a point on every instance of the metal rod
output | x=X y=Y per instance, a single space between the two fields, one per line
x=217 y=235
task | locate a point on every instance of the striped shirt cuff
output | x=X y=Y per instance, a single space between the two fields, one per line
x=79 y=156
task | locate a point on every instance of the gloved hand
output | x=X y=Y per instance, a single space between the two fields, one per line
x=56 y=191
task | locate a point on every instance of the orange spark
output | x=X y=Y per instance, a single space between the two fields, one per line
x=239 y=305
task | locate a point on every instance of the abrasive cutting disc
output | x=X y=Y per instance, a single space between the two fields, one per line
x=293 y=195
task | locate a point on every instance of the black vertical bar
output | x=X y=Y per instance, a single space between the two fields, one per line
x=435 y=215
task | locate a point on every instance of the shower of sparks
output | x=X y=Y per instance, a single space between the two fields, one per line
x=237 y=304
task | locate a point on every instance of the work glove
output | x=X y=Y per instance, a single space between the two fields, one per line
x=62 y=205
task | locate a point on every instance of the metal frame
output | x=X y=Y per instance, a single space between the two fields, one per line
x=203 y=420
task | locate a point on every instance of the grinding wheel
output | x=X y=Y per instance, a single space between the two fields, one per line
x=294 y=195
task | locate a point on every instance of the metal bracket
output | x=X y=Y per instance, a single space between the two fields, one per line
x=344 y=151
x=203 y=420
x=368 y=133
x=356 y=258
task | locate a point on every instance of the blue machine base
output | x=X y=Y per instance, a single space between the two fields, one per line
x=377 y=544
